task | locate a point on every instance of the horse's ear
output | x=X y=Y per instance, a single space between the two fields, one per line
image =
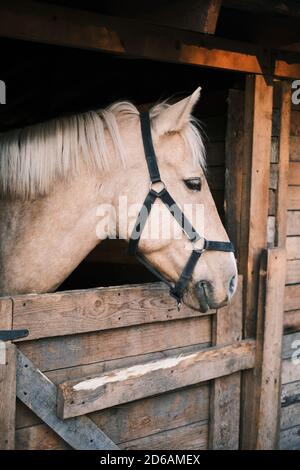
x=176 y=116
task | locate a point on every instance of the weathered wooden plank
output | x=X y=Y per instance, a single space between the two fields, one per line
x=39 y=437
x=291 y=321
x=283 y=193
x=191 y=437
x=88 y=348
x=273 y=183
x=253 y=226
x=293 y=248
x=292 y=297
x=290 y=439
x=37 y=392
x=211 y=16
x=290 y=415
x=5 y=313
x=8 y=395
x=7 y=380
x=293 y=272
x=274 y=149
x=294 y=148
x=88 y=310
x=135 y=420
x=271 y=230
x=291 y=343
x=290 y=394
x=76 y=28
x=225 y=391
x=294 y=173
x=154 y=415
x=123 y=385
x=268 y=420
x=293 y=198
x=295 y=122
x=25 y=418
x=293 y=223
x=256 y=172
x=272 y=202
x=290 y=371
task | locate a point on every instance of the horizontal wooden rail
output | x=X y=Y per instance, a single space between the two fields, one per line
x=78 y=397
x=57 y=25
x=83 y=311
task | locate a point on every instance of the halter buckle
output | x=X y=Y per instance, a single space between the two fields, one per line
x=161 y=187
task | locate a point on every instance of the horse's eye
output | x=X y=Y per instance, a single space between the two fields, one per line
x=193 y=183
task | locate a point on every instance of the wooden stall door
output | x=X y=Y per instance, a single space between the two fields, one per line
x=178 y=373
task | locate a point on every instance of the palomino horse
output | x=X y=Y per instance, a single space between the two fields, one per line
x=55 y=176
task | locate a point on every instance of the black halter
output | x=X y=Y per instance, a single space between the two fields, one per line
x=176 y=289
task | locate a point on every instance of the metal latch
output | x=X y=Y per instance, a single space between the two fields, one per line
x=11 y=335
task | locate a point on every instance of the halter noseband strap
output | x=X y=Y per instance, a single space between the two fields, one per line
x=177 y=289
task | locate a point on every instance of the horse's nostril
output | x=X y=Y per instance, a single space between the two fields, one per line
x=232 y=284
x=205 y=285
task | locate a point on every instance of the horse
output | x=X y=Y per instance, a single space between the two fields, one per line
x=55 y=175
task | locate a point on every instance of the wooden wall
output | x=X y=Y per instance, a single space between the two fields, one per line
x=290 y=400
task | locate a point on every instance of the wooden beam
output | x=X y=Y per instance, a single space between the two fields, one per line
x=287 y=8
x=253 y=235
x=7 y=380
x=97 y=309
x=283 y=166
x=78 y=397
x=37 y=392
x=211 y=16
x=269 y=406
x=291 y=321
x=191 y=15
x=6 y=313
x=8 y=396
x=52 y=24
x=256 y=174
x=292 y=297
x=225 y=391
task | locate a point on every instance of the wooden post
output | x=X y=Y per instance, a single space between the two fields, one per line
x=225 y=391
x=7 y=380
x=283 y=165
x=269 y=354
x=253 y=236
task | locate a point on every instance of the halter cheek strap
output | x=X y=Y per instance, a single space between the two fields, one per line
x=176 y=289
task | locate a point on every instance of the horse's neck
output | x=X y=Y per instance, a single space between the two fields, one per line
x=43 y=241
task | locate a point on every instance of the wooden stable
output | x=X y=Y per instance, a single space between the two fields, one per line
x=120 y=366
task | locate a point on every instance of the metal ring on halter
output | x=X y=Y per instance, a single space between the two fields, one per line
x=157 y=182
x=204 y=247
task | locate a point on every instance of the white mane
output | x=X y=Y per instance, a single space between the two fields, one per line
x=32 y=158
